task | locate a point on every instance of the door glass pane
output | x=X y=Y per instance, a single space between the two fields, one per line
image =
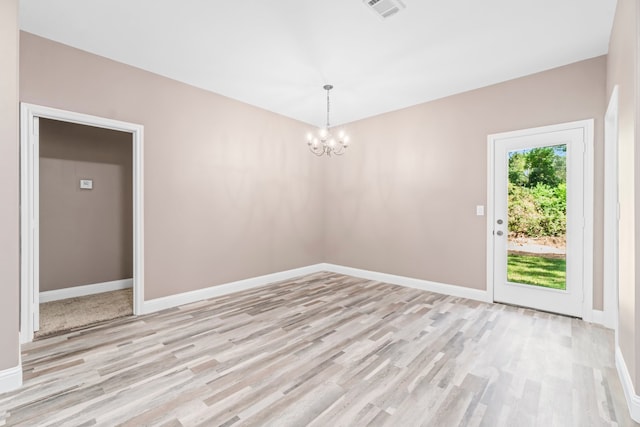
x=537 y=217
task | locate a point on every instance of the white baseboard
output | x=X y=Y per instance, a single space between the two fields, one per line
x=80 y=291
x=11 y=379
x=241 y=285
x=633 y=400
x=425 y=285
x=227 y=288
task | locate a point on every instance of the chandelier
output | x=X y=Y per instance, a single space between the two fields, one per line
x=325 y=142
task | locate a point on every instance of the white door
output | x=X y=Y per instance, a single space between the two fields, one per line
x=538 y=218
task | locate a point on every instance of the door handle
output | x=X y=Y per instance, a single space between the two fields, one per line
x=499 y=233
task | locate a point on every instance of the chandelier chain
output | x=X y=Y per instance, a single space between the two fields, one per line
x=328 y=109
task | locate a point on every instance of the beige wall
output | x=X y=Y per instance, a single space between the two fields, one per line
x=9 y=185
x=388 y=204
x=403 y=200
x=622 y=71
x=85 y=235
x=231 y=191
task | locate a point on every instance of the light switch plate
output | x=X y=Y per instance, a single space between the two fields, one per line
x=480 y=210
x=86 y=184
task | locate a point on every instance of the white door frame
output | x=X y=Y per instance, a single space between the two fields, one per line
x=611 y=214
x=587 y=273
x=29 y=206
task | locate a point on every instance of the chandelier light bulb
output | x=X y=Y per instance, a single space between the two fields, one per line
x=325 y=142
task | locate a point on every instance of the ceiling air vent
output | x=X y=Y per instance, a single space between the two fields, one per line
x=385 y=8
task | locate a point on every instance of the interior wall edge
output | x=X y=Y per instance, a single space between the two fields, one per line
x=9 y=185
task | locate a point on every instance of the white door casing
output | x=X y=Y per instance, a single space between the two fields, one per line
x=611 y=214
x=29 y=206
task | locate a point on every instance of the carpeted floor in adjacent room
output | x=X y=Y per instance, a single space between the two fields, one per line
x=69 y=314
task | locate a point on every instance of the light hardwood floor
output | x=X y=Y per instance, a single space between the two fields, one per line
x=325 y=350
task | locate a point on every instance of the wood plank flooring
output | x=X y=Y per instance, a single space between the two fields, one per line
x=324 y=350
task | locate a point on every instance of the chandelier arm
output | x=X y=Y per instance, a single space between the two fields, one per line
x=317 y=150
x=340 y=150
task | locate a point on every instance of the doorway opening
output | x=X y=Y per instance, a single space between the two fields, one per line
x=86 y=226
x=539 y=230
x=81 y=232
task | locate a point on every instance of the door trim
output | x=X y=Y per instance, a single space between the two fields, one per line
x=611 y=211
x=29 y=196
x=587 y=267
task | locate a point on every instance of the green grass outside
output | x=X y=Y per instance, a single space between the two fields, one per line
x=537 y=271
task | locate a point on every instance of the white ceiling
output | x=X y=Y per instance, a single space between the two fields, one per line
x=278 y=54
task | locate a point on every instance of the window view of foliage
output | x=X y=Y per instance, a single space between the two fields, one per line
x=537 y=209
x=545 y=165
x=538 y=192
